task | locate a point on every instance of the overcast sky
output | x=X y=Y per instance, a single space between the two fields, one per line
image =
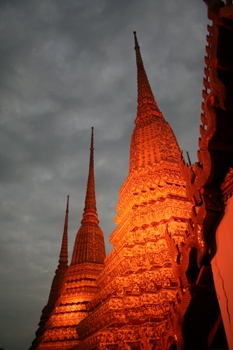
x=66 y=66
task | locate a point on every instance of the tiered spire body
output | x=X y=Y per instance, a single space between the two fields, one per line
x=89 y=245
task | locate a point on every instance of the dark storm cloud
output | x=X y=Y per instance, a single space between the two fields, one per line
x=66 y=66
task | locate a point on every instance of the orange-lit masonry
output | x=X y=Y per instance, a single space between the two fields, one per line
x=155 y=290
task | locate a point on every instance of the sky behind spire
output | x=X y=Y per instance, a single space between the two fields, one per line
x=66 y=66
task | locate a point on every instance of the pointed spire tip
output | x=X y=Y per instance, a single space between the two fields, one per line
x=67 y=204
x=136 y=41
x=92 y=138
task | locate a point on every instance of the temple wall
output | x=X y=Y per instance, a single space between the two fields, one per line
x=222 y=266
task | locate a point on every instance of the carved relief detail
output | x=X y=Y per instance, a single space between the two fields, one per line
x=227 y=186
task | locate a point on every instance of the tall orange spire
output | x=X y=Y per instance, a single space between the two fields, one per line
x=57 y=280
x=137 y=286
x=153 y=139
x=146 y=100
x=89 y=244
x=79 y=282
x=62 y=265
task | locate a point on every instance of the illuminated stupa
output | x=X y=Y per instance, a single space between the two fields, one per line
x=138 y=285
x=77 y=286
x=167 y=283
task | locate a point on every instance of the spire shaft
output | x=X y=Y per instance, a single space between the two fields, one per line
x=90 y=211
x=146 y=101
x=89 y=243
x=63 y=258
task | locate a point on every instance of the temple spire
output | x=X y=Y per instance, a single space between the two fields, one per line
x=152 y=136
x=146 y=101
x=90 y=212
x=89 y=244
x=56 y=283
x=63 y=258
